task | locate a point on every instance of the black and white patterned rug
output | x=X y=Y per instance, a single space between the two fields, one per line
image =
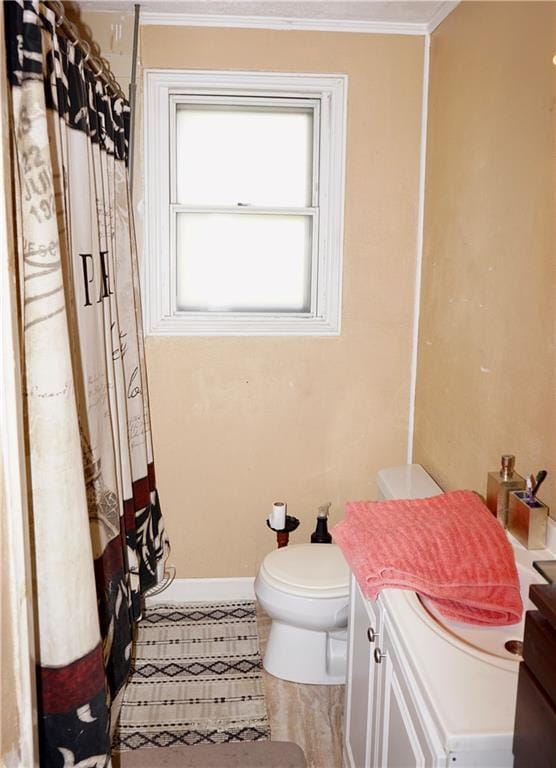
x=196 y=678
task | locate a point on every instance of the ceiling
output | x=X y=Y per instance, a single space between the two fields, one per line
x=416 y=16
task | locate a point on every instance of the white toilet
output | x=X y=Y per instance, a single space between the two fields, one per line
x=304 y=588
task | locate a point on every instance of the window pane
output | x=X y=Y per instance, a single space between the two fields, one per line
x=243 y=262
x=228 y=155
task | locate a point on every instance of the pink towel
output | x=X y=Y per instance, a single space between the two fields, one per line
x=448 y=548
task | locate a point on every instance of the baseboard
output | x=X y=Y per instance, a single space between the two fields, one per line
x=205 y=590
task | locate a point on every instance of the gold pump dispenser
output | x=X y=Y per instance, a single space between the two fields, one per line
x=499 y=485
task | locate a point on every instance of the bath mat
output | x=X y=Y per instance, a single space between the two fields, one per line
x=196 y=678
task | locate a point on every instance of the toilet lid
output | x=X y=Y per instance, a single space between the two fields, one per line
x=318 y=570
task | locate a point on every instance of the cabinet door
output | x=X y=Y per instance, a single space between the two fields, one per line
x=361 y=674
x=405 y=739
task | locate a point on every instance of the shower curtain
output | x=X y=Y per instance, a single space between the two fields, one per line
x=97 y=533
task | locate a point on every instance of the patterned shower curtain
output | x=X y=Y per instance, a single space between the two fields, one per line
x=97 y=533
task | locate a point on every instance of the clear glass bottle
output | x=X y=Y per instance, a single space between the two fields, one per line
x=499 y=485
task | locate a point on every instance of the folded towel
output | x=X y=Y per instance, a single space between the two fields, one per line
x=448 y=548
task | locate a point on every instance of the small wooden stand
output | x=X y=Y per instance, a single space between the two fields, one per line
x=283 y=536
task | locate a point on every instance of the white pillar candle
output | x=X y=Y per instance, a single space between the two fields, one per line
x=278 y=516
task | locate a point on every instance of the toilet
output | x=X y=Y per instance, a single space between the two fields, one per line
x=304 y=588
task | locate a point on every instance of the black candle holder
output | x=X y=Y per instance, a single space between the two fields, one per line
x=283 y=535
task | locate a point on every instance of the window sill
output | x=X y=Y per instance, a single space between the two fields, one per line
x=210 y=324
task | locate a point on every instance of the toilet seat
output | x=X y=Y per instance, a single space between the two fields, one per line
x=307 y=570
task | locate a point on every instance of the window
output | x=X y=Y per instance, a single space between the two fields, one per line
x=244 y=203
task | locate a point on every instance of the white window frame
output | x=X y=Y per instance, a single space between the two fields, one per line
x=163 y=89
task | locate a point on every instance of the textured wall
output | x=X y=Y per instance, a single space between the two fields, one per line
x=487 y=360
x=240 y=422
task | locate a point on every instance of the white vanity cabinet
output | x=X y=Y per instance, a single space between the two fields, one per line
x=386 y=723
x=405 y=735
x=417 y=694
x=359 y=722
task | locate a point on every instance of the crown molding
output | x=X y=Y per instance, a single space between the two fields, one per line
x=152 y=18
x=440 y=14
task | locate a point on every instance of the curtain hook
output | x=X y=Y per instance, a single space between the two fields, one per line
x=112 y=83
x=58 y=8
x=94 y=62
x=72 y=29
x=86 y=48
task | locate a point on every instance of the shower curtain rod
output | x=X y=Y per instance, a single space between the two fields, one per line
x=98 y=66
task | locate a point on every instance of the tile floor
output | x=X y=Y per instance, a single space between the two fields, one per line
x=309 y=715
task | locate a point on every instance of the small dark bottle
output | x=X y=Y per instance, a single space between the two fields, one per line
x=321 y=535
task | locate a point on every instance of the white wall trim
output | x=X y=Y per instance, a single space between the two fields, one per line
x=156 y=18
x=440 y=14
x=205 y=591
x=419 y=249
x=358 y=26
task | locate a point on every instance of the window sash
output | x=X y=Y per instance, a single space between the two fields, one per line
x=238 y=101
x=254 y=153
x=311 y=213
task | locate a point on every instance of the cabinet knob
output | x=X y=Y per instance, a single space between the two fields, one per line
x=371 y=635
x=378 y=655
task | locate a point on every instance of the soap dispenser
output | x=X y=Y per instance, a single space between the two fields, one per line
x=321 y=535
x=499 y=485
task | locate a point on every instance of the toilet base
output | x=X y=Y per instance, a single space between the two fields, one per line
x=306 y=655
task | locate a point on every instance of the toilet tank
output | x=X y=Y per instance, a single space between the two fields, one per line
x=409 y=481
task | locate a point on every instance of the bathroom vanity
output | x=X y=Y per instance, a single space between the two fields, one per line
x=417 y=699
x=422 y=692
x=386 y=721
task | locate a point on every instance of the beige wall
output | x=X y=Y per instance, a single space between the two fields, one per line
x=111 y=35
x=487 y=365
x=240 y=422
